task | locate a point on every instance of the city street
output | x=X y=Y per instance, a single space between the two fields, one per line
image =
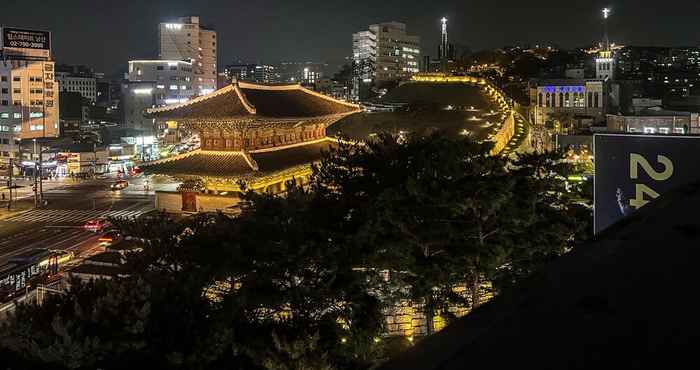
x=58 y=225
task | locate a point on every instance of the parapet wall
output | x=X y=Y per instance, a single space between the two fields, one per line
x=504 y=134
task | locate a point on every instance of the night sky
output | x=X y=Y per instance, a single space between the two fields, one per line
x=104 y=34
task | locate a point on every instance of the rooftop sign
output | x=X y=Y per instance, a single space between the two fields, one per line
x=25 y=43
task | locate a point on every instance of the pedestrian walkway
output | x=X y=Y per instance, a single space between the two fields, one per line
x=73 y=216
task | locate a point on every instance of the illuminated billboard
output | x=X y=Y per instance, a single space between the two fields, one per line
x=632 y=170
x=25 y=43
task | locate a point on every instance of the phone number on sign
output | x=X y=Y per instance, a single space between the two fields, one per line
x=25 y=44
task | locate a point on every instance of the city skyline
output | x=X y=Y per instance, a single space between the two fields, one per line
x=276 y=30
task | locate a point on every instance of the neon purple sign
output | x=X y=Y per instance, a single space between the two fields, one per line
x=563 y=89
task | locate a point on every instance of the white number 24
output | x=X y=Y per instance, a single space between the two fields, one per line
x=637 y=160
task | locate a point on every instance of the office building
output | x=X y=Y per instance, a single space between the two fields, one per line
x=188 y=40
x=174 y=79
x=78 y=79
x=385 y=52
x=28 y=91
x=154 y=83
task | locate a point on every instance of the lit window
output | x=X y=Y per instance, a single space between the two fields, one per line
x=17 y=115
x=161 y=86
x=36 y=114
x=173 y=87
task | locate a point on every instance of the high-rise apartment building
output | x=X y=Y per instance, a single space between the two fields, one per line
x=186 y=39
x=28 y=91
x=385 y=52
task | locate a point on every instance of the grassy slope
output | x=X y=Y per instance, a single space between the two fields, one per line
x=432 y=98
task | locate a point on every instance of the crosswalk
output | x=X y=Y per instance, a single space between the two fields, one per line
x=73 y=216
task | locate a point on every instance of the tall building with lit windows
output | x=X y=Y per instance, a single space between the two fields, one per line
x=28 y=91
x=385 y=52
x=186 y=39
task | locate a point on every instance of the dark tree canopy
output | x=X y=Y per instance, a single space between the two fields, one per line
x=302 y=281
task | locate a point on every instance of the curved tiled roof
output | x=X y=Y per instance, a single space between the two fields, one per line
x=277 y=160
x=223 y=103
x=203 y=163
x=245 y=100
x=236 y=165
x=292 y=101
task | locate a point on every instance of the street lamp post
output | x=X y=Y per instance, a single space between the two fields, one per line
x=9 y=185
x=35 y=187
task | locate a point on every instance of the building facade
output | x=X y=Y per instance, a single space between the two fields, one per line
x=385 y=52
x=678 y=123
x=174 y=79
x=28 y=103
x=137 y=96
x=78 y=79
x=605 y=65
x=583 y=100
x=154 y=83
x=28 y=91
x=188 y=40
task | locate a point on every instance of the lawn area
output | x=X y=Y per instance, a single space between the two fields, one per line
x=471 y=111
x=359 y=126
x=440 y=94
